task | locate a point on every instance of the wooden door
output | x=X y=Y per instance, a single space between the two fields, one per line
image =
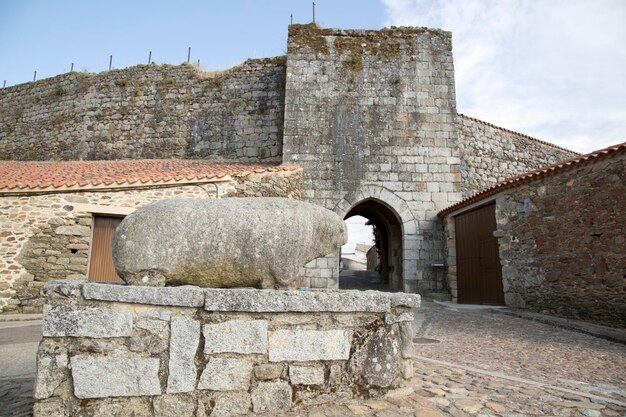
x=479 y=274
x=101 y=267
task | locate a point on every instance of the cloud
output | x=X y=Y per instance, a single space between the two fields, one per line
x=553 y=69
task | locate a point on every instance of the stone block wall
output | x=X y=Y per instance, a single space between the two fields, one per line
x=187 y=351
x=490 y=154
x=450 y=271
x=47 y=236
x=147 y=112
x=370 y=115
x=562 y=243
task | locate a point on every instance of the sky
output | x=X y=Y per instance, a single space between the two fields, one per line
x=357 y=233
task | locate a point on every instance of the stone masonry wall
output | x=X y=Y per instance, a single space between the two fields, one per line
x=562 y=243
x=370 y=115
x=47 y=236
x=450 y=272
x=490 y=154
x=147 y=112
x=187 y=351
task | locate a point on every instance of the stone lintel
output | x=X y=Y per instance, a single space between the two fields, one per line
x=185 y=296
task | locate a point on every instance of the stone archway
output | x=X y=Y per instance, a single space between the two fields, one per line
x=394 y=216
x=389 y=239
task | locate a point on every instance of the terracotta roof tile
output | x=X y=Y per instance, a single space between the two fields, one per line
x=536 y=174
x=48 y=176
x=543 y=142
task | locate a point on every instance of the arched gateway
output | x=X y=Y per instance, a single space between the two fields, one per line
x=393 y=219
x=388 y=235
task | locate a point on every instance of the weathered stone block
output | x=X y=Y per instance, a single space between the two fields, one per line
x=226 y=374
x=309 y=345
x=224 y=404
x=152 y=325
x=62 y=321
x=184 y=340
x=376 y=361
x=265 y=301
x=398 y=318
x=184 y=296
x=236 y=336
x=52 y=369
x=107 y=376
x=73 y=230
x=117 y=406
x=335 y=375
x=48 y=408
x=405 y=300
x=271 y=397
x=267 y=372
x=306 y=375
x=174 y=406
x=406 y=339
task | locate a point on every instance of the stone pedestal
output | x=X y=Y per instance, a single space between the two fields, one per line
x=185 y=351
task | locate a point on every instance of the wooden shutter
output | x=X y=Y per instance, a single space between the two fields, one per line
x=101 y=262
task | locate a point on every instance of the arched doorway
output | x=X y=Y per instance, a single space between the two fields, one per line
x=388 y=231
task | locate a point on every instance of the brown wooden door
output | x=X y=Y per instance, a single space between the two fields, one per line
x=479 y=274
x=101 y=267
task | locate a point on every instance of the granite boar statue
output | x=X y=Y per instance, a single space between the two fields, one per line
x=233 y=242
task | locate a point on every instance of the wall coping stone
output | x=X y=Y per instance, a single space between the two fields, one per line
x=186 y=296
x=245 y=299
x=268 y=301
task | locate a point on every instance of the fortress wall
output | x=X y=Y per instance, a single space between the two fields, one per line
x=490 y=154
x=370 y=114
x=147 y=112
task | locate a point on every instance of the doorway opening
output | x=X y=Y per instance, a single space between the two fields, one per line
x=385 y=257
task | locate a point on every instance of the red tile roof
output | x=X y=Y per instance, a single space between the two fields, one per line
x=543 y=142
x=537 y=174
x=61 y=176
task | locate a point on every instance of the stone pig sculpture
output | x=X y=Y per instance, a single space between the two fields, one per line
x=234 y=242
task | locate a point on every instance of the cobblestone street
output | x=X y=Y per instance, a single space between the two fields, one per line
x=481 y=363
x=474 y=363
x=18 y=349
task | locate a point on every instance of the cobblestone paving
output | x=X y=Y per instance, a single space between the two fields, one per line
x=16 y=397
x=525 y=349
x=489 y=364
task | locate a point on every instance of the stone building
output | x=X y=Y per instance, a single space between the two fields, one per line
x=368 y=116
x=550 y=240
